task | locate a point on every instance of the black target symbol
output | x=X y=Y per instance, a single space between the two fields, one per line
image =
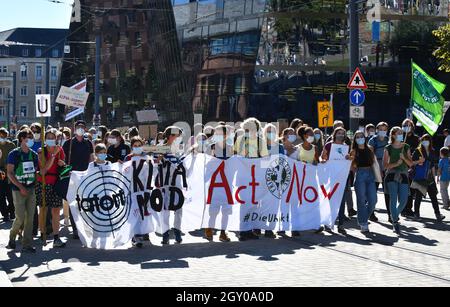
x=105 y=200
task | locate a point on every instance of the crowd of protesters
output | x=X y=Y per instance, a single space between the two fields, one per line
x=408 y=167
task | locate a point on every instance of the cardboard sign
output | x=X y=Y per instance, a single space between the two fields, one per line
x=72 y=97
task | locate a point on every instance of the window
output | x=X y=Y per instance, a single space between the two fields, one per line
x=38 y=90
x=24 y=91
x=23 y=111
x=131 y=17
x=137 y=38
x=2 y=111
x=4 y=69
x=55 y=53
x=24 y=72
x=53 y=91
x=25 y=52
x=38 y=72
x=4 y=51
x=54 y=73
x=38 y=52
x=2 y=91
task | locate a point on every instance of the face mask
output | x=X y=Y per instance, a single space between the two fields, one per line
x=50 y=143
x=271 y=136
x=371 y=133
x=102 y=156
x=138 y=150
x=399 y=138
x=230 y=141
x=80 y=132
x=63 y=142
x=112 y=141
x=94 y=136
x=426 y=143
x=99 y=134
x=178 y=140
x=37 y=136
x=160 y=142
x=360 y=141
x=310 y=139
x=382 y=134
x=30 y=143
x=340 y=137
x=317 y=136
x=292 y=138
x=406 y=129
x=2 y=141
x=218 y=138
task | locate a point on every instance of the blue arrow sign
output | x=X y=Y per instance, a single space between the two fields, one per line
x=357 y=97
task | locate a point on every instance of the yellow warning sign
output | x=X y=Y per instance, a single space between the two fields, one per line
x=325 y=112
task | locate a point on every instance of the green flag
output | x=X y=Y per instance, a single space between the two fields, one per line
x=426 y=100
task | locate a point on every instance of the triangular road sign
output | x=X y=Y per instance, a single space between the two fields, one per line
x=357 y=80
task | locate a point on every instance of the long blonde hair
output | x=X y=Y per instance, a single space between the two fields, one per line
x=392 y=133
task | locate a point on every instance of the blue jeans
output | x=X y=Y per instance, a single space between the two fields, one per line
x=366 y=194
x=397 y=191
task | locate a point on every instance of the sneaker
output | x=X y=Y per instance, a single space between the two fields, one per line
x=352 y=212
x=365 y=229
x=396 y=227
x=373 y=218
x=12 y=216
x=6 y=219
x=209 y=234
x=342 y=230
x=446 y=207
x=58 y=243
x=320 y=230
x=75 y=236
x=252 y=236
x=223 y=237
x=408 y=213
x=137 y=242
x=440 y=218
x=146 y=237
x=66 y=222
x=165 y=239
x=29 y=249
x=281 y=233
x=243 y=237
x=390 y=220
x=295 y=233
x=257 y=232
x=11 y=244
x=416 y=216
x=328 y=229
x=177 y=234
x=269 y=234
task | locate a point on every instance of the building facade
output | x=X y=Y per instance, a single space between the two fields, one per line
x=30 y=64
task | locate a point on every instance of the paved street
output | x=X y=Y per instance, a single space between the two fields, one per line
x=421 y=257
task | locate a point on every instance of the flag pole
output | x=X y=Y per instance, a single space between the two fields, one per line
x=44 y=202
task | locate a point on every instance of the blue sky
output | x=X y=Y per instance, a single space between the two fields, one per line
x=34 y=14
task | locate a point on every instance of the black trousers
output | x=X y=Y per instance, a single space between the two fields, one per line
x=432 y=193
x=6 y=199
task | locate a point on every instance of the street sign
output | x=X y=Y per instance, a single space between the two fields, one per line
x=325 y=114
x=43 y=106
x=357 y=97
x=357 y=80
x=356 y=112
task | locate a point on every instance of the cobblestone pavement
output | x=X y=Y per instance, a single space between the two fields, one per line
x=420 y=257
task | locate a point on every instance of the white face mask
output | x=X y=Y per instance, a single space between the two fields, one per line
x=99 y=134
x=310 y=139
x=292 y=138
x=178 y=140
x=79 y=132
x=37 y=136
x=112 y=141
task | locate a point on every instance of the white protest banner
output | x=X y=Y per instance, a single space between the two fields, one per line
x=72 y=97
x=237 y=194
x=338 y=152
x=43 y=106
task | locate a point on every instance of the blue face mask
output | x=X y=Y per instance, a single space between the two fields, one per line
x=102 y=156
x=360 y=141
x=382 y=134
x=2 y=140
x=138 y=150
x=50 y=143
x=317 y=136
x=30 y=143
x=399 y=138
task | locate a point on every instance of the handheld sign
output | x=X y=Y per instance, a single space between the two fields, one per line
x=157 y=149
x=72 y=97
x=43 y=106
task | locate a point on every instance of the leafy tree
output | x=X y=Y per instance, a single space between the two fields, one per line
x=442 y=53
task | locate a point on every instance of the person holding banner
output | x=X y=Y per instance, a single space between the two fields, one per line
x=339 y=138
x=137 y=152
x=118 y=150
x=412 y=140
x=318 y=139
x=397 y=160
x=173 y=138
x=54 y=158
x=100 y=156
x=424 y=174
x=221 y=149
x=365 y=188
x=21 y=170
x=289 y=138
x=307 y=151
x=274 y=147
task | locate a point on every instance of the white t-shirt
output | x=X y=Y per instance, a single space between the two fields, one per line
x=447 y=141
